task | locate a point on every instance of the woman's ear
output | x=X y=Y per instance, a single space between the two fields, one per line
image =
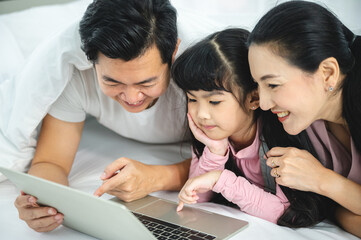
x=330 y=72
x=253 y=100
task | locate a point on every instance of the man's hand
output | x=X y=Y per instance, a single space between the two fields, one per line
x=128 y=179
x=41 y=219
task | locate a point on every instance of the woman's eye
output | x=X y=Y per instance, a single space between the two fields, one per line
x=214 y=102
x=272 y=86
x=191 y=100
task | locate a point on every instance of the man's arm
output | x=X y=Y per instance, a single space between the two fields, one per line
x=55 y=152
x=57 y=145
x=136 y=180
x=176 y=177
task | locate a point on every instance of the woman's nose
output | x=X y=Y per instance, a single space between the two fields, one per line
x=265 y=100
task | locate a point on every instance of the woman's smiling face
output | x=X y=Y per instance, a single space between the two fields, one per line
x=298 y=98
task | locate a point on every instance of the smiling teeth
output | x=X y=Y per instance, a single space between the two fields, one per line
x=283 y=114
x=135 y=103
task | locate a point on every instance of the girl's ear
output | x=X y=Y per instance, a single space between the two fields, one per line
x=252 y=101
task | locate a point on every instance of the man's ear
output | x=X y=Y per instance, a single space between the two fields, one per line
x=175 y=50
x=329 y=70
x=252 y=101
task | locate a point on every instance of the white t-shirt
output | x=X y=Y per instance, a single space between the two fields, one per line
x=162 y=123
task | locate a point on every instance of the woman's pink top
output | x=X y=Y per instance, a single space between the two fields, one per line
x=332 y=154
x=246 y=192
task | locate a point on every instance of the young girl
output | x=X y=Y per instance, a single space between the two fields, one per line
x=224 y=118
x=308 y=67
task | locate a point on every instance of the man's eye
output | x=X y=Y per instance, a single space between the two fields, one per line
x=111 y=84
x=148 y=86
x=214 y=102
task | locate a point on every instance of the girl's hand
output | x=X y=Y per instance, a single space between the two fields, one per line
x=200 y=184
x=218 y=147
x=295 y=168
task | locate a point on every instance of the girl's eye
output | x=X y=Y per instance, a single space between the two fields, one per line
x=214 y=102
x=272 y=86
x=191 y=100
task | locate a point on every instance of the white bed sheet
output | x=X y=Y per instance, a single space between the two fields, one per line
x=90 y=161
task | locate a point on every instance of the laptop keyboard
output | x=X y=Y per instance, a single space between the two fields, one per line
x=164 y=230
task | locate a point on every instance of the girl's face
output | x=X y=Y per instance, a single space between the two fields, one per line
x=298 y=98
x=217 y=113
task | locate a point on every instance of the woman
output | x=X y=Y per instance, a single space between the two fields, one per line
x=308 y=68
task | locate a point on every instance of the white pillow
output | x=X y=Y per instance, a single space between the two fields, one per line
x=22 y=31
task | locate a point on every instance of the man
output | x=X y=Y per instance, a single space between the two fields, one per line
x=123 y=80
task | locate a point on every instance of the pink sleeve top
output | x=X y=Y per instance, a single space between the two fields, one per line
x=246 y=192
x=332 y=154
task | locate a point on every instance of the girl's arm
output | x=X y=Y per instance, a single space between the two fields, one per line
x=206 y=163
x=251 y=198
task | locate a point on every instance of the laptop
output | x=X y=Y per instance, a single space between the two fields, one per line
x=146 y=218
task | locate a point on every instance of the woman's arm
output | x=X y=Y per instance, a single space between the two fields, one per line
x=298 y=169
x=349 y=221
x=340 y=189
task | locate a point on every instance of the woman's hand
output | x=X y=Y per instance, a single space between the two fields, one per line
x=219 y=147
x=41 y=219
x=199 y=184
x=296 y=168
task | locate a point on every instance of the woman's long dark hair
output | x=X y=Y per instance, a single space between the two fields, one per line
x=305 y=34
x=220 y=62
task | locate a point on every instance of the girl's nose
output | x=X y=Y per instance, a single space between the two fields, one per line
x=203 y=113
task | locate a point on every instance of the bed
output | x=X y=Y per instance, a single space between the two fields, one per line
x=22 y=30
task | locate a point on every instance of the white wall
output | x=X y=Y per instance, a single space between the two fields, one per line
x=246 y=13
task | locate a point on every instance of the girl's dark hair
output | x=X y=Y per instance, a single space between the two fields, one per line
x=305 y=34
x=122 y=29
x=218 y=62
